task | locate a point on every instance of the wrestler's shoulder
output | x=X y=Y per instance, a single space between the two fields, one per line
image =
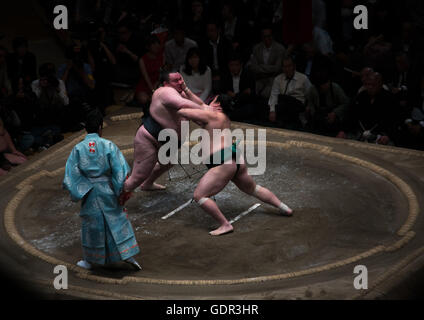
x=165 y=90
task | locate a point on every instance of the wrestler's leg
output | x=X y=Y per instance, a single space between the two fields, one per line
x=150 y=184
x=246 y=184
x=142 y=167
x=212 y=183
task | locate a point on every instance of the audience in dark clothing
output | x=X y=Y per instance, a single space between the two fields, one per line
x=366 y=86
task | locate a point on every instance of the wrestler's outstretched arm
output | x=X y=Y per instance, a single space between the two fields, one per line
x=196 y=115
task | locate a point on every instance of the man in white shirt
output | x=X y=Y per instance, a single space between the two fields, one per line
x=288 y=95
x=176 y=49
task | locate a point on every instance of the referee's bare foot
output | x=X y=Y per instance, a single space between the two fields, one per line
x=227 y=228
x=152 y=187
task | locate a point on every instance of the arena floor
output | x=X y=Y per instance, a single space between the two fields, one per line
x=355 y=204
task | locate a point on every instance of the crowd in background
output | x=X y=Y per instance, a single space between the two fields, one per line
x=298 y=65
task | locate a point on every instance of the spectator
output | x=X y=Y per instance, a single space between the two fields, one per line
x=127 y=53
x=77 y=74
x=238 y=90
x=49 y=80
x=309 y=60
x=411 y=133
x=322 y=41
x=400 y=83
x=197 y=75
x=215 y=49
x=196 y=25
x=236 y=30
x=176 y=49
x=365 y=74
x=52 y=115
x=327 y=106
x=22 y=64
x=102 y=62
x=266 y=62
x=24 y=104
x=373 y=114
x=150 y=65
x=5 y=84
x=9 y=155
x=288 y=96
x=378 y=53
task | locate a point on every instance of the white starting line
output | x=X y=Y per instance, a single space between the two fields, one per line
x=241 y=215
x=177 y=210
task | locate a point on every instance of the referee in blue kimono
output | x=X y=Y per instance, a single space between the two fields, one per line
x=95 y=173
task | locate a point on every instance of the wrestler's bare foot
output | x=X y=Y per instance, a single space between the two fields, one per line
x=227 y=228
x=152 y=187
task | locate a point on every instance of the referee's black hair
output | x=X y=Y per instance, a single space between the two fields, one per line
x=94 y=121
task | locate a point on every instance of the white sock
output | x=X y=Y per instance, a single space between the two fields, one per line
x=84 y=264
x=284 y=207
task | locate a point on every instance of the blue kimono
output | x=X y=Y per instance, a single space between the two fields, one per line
x=95 y=173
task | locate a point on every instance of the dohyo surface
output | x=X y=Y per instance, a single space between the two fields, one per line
x=355 y=204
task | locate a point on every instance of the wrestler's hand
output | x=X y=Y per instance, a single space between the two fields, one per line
x=124 y=197
x=216 y=106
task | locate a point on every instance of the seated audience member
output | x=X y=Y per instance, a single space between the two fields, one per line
x=378 y=52
x=53 y=114
x=176 y=49
x=288 y=96
x=236 y=30
x=327 y=106
x=77 y=74
x=365 y=74
x=21 y=64
x=150 y=65
x=195 y=25
x=305 y=60
x=197 y=75
x=322 y=41
x=9 y=155
x=5 y=84
x=238 y=90
x=47 y=80
x=128 y=51
x=102 y=62
x=80 y=84
x=411 y=133
x=373 y=114
x=24 y=104
x=215 y=49
x=266 y=62
x=401 y=83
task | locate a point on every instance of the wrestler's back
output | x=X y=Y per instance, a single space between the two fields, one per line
x=219 y=121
